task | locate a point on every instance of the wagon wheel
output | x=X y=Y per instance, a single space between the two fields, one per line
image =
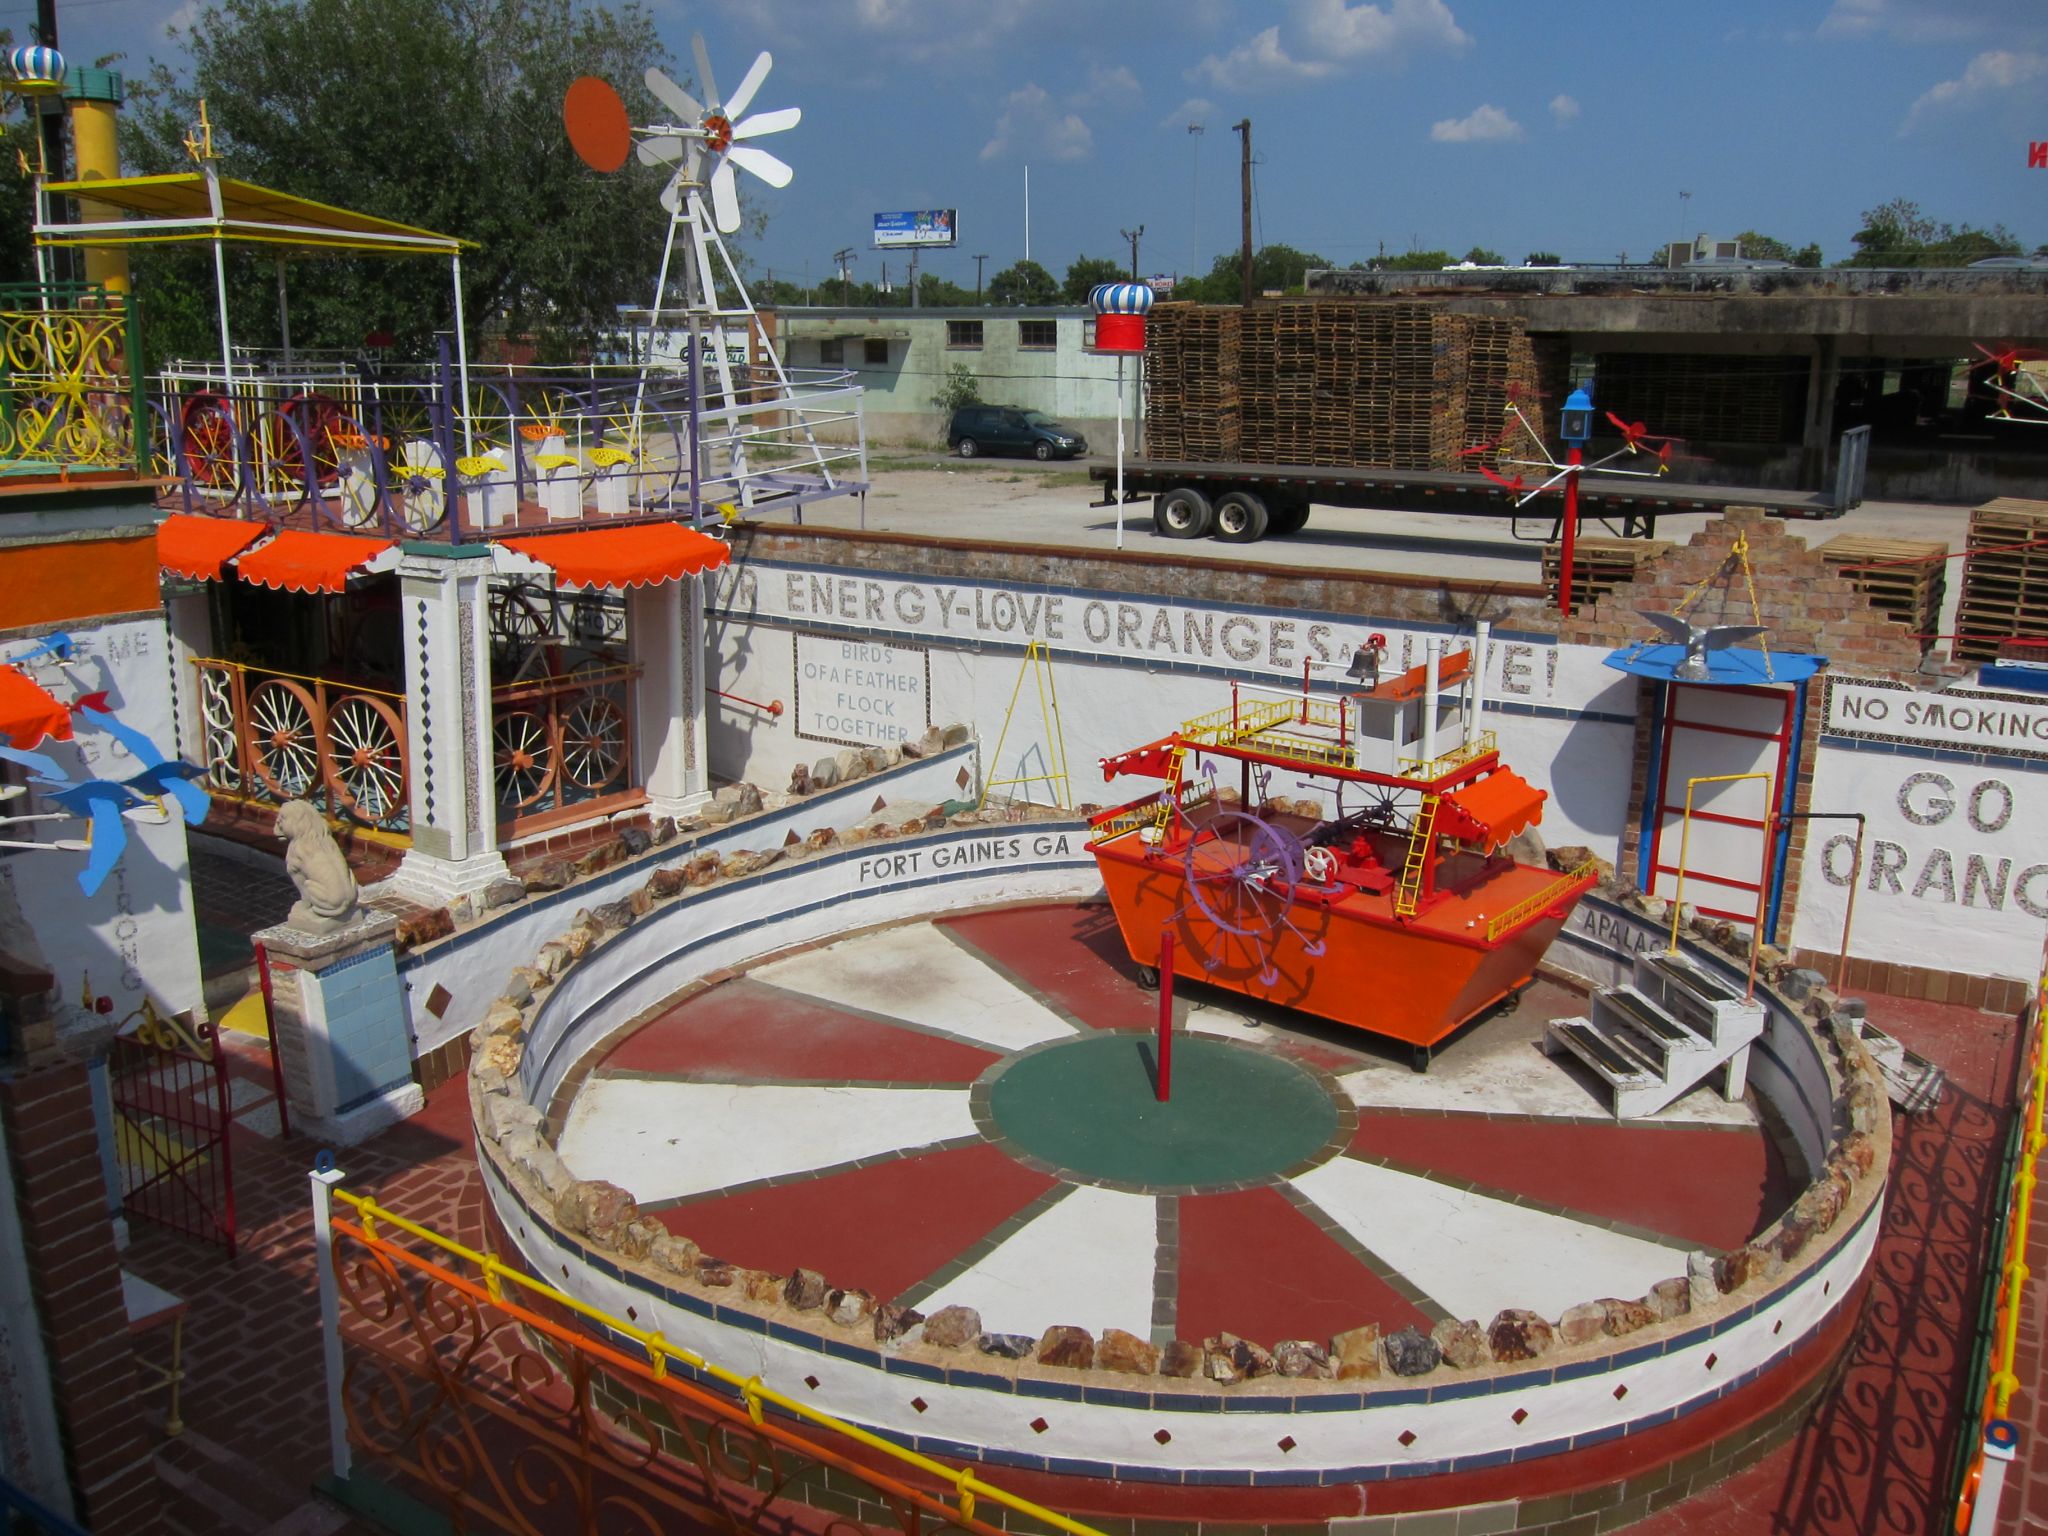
x=211 y=459
x=1241 y=875
x=594 y=742
x=366 y=757
x=284 y=741
x=489 y=421
x=550 y=412
x=402 y=419
x=518 y=621
x=419 y=485
x=222 y=735
x=524 y=758
x=356 y=485
x=298 y=440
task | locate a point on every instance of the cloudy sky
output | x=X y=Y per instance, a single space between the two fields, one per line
x=1565 y=126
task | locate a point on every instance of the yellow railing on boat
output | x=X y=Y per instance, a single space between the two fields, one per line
x=1529 y=906
x=1306 y=749
x=1226 y=727
x=1436 y=767
x=1129 y=820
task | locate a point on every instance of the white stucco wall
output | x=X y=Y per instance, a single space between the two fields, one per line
x=141 y=920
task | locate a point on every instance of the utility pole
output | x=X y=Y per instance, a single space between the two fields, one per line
x=1134 y=236
x=978 y=260
x=845 y=256
x=1195 y=132
x=1244 y=131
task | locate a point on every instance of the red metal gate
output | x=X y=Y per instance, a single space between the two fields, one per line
x=169 y=1083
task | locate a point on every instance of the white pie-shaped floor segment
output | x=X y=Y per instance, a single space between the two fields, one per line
x=1086 y=1261
x=1511 y=1078
x=663 y=1140
x=919 y=975
x=1472 y=1254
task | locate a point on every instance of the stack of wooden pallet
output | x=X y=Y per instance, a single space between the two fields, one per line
x=2005 y=588
x=1706 y=397
x=1599 y=565
x=1905 y=579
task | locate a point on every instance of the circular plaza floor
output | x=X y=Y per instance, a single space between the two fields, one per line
x=963 y=1111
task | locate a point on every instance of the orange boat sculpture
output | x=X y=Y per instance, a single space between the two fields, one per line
x=1384 y=900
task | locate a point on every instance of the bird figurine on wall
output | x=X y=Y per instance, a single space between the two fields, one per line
x=104 y=801
x=161 y=777
x=1698 y=640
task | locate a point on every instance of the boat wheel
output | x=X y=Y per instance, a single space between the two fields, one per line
x=1418 y=1058
x=1241 y=876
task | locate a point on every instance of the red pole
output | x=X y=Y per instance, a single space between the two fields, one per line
x=1571 y=530
x=1165 y=1016
x=284 y=1108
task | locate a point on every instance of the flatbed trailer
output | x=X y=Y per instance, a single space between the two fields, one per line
x=1240 y=503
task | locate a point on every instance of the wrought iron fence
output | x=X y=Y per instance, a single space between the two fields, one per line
x=172 y=1114
x=486 y=1391
x=334 y=445
x=269 y=736
x=69 y=393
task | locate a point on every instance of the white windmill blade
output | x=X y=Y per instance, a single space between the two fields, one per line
x=761 y=163
x=672 y=196
x=659 y=150
x=704 y=77
x=725 y=199
x=672 y=96
x=768 y=122
x=749 y=84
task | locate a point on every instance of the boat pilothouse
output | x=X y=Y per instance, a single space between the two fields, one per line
x=1385 y=897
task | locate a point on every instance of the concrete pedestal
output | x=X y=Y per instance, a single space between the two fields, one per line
x=342 y=1033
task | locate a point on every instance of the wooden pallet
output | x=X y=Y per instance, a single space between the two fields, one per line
x=2005 y=589
x=1599 y=565
x=1905 y=579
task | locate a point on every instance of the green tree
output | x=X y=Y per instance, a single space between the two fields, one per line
x=1417 y=261
x=935 y=292
x=1083 y=275
x=1543 y=259
x=957 y=387
x=1480 y=256
x=1024 y=283
x=1275 y=269
x=439 y=113
x=1760 y=247
x=1898 y=234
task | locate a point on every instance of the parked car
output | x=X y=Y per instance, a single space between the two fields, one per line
x=977 y=429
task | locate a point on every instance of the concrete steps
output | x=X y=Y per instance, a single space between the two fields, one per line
x=1652 y=1040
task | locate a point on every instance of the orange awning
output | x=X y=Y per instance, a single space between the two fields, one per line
x=199 y=546
x=1491 y=810
x=308 y=562
x=639 y=556
x=29 y=712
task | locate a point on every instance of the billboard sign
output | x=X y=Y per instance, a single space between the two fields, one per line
x=923 y=226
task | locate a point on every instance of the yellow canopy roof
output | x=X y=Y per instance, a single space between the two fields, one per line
x=178 y=207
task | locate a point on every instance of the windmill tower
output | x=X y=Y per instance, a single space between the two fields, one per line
x=707 y=144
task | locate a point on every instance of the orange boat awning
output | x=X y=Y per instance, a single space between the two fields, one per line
x=1491 y=810
x=640 y=556
x=29 y=712
x=199 y=546
x=296 y=561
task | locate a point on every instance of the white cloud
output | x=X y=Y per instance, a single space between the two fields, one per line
x=1114 y=87
x=1033 y=126
x=1988 y=72
x=1481 y=125
x=1564 y=108
x=1325 y=36
x=1922 y=21
x=1196 y=109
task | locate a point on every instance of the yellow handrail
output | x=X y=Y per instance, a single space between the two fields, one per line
x=1436 y=767
x=752 y=1391
x=203 y=662
x=1500 y=924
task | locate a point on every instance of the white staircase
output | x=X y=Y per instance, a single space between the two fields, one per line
x=1667 y=1030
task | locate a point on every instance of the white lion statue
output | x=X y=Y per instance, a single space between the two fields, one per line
x=327 y=889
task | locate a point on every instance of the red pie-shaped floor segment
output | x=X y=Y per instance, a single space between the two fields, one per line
x=1071 y=956
x=744 y=1029
x=880 y=1229
x=1708 y=1185
x=1254 y=1265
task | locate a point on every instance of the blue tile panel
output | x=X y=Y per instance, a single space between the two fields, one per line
x=367 y=1041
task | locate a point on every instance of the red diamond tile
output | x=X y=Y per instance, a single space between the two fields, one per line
x=811 y=1382
x=1161 y=1436
x=1406 y=1437
x=1519 y=1415
x=1778 y=1327
x=919 y=1404
x=1287 y=1444
x=1712 y=1361
x=1621 y=1391
x=1039 y=1426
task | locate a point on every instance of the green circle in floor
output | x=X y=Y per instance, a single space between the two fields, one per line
x=1086 y=1108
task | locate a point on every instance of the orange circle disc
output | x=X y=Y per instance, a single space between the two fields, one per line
x=598 y=127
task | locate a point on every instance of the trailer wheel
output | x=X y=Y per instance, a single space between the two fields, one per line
x=1183 y=513
x=1241 y=517
x=1291 y=518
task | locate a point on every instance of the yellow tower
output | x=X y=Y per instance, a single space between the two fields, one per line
x=95 y=98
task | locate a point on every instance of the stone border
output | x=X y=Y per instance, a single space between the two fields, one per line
x=1832 y=1224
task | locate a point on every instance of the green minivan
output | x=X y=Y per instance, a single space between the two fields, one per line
x=978 y=429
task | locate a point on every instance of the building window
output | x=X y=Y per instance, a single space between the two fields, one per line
x=1038 y=335
x=963 y=333
x=876 y=352
x=832 y=353
x=1088 y=334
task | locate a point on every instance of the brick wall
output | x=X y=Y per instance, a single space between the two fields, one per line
x=46 y=1114
x=1809 y=608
